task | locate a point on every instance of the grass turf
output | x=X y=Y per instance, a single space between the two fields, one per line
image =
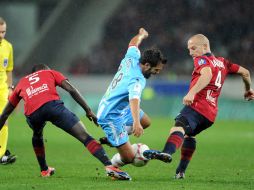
x=224 y=160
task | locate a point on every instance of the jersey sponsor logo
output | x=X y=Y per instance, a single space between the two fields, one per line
x=218 y=63
x=35 y=91
x=201 y=61
x=210 y=98
x=5 y=62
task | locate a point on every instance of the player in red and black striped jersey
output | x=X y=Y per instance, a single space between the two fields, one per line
x=42 y=103
x=200 y=102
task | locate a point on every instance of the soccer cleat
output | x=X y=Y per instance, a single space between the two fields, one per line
x=49 y=172
x=116 y=173
x=180 y=175
x=104 y=140
x=7 y=158
x=155 y=154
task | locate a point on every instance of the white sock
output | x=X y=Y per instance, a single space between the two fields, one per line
x=129 y=129
x=116 y=160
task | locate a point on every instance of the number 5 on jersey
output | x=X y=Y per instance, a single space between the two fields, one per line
x=33 y=79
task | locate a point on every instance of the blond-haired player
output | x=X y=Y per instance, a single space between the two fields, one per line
x=6 y=67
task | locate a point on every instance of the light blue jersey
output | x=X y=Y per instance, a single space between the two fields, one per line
x=114 y=109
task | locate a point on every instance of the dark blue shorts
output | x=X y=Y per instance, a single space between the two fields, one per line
x=194 y=121
x=55 y=112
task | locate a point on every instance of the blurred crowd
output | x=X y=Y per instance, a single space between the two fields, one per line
x=227 y=23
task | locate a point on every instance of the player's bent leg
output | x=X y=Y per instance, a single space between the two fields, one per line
x=145 y=121
x=126 y=152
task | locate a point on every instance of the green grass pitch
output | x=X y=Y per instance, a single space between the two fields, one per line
x=224 y=160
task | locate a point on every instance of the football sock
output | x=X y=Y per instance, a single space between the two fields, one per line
x=187 y=150
x=3 y=140
x=174 y=141
x=97 y=151
x=39 y=151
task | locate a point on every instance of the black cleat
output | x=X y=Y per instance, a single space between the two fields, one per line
x=104 y=140
x=7 y=158
x=157 y=155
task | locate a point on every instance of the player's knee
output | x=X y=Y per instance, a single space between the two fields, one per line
x=145 y=122
x=182 y=125
x=177 y=129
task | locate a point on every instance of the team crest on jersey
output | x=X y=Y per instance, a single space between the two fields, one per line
x=201 y=61
x=5 y=62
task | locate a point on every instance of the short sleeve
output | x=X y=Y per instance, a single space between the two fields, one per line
x=133 y=52
x=232 y=67
x=59 y=77
x=135 y=88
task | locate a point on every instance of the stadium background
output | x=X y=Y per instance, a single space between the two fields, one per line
x=87 y=39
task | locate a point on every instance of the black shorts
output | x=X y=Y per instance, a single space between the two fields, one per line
x=194 y=122
x=55 y=112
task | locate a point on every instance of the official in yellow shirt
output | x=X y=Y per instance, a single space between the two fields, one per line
x=6 y=87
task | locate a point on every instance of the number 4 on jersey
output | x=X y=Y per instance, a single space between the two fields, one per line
x=218 y=80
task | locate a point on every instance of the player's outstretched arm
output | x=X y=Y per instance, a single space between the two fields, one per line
x=66 y=85
x=136 y=40
x=249 y=93
x=7 y=111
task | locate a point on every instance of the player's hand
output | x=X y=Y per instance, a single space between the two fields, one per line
x=92 y=117
x=137 y=129
x=143 y=33
x=188 y=99
x=249 y=95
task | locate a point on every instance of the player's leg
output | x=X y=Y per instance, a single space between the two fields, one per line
x=187 y=150
x=36 y=122
x=176 y=136
x=189 y=146
x=5 y=156
x=69 y=122
x=124 y=156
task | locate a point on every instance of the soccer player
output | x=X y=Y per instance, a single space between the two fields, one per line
x=42 y=103
x=201 y=101
x=120 y=105
x=6 y=87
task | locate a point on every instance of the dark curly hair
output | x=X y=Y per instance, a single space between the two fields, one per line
x=152 y=56
x=38 y=67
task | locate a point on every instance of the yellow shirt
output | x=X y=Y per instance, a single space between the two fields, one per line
x=6 y=62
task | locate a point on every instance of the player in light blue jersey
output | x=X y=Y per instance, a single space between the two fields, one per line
x=119 y=110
